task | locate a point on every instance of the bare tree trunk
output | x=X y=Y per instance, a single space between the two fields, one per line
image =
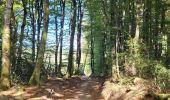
x=71 y=50
x=80 y=17
x=92 y=45
x=35 y=78
x=6 y=63
x=33 y=25
x=62 y=5
x=39 y=21
x=14 y=24
x=57 y=40
x=19 y=60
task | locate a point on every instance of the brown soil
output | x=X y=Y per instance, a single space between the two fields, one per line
x=141 y=89
x=75 y=88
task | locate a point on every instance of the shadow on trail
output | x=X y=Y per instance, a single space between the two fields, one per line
x=74 y=88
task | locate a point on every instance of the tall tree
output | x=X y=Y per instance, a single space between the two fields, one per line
x=114 y=34
x=19 y=60
x=57 y=40
x=39 y=11
x=14 y=29
x=71 y=49
x=33 y=26
x=147 y=25
x=6 y=63
x=62 y=6
x=156 y=28
x=35 y=78
x=92 y=45
x=79 y=28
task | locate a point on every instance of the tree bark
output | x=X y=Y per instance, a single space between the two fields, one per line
x=19 y=60
x=62 y=5
x=57 y=40
x=71 y=50
x=39 y=10
x=14 y=26
x=92 y=45
x=80 y=17
x=35 y=78
x=6 y=63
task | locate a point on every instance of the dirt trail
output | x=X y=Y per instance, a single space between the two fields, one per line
x=75 y=88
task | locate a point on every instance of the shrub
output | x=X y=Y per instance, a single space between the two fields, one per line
x=162 y=76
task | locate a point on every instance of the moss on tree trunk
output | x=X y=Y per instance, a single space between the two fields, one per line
x=35 y=78
x=6 y=63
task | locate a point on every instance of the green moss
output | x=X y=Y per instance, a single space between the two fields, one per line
x=3 y=87
x=163 y=96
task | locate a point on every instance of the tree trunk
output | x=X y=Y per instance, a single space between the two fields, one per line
x=35 y=78
x=19 y=60
x=147 y=26
x=39 y=21
x=92 y=45
x=80 y=17
x=6 y=63
x=33 y=25
x=62 y=5
x=57 y=42
x=14 y=34
x=71 y=50
x=157 y=30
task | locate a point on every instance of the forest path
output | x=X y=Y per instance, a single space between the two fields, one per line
x=74 y=88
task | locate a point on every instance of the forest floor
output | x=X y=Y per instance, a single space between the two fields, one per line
x=75 y=88
x=86 y=88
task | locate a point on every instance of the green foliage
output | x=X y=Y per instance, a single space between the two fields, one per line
x=162 y=76
x=127 y=81
x=1 y=16
x=22 y=73
x=150 y=69
x=144 y=67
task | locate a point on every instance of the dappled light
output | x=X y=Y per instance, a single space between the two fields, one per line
x=84 y=49
x=57 y=88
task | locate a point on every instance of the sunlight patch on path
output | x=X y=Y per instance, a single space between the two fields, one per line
x=75 y=88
